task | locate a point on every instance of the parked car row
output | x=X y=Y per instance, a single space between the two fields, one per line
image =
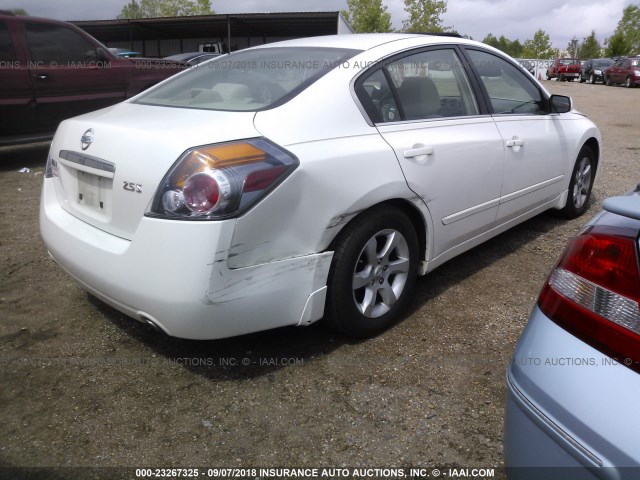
x=622 y=71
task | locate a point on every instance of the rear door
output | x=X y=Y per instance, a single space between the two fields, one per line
x=17 y=102
x=68 y=76
x=451 y=155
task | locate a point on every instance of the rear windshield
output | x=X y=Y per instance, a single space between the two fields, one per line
x=248 y=80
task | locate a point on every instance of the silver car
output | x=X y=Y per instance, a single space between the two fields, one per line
x=573 y=383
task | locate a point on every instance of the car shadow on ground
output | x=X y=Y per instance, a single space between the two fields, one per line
x=244 y=357
x=261 y=354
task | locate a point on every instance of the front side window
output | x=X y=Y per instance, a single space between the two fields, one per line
x=248 y=80
x=510 y=90
x=57 y=45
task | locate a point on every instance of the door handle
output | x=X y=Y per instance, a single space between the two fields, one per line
x=41 y=76
x=515 y=143
x=418 y=152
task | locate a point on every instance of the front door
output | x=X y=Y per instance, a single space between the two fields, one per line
x=535 y=144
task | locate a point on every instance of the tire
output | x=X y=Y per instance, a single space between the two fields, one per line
x=372 y=273
x=608 y=81
x=581 y=184
x=628 y=83
x=592 y=79
x=581 y=79
x=548 y=76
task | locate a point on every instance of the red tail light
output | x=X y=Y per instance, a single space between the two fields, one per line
x=219 y=181
x=594 y=292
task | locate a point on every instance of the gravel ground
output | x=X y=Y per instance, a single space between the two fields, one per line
x=82 y=385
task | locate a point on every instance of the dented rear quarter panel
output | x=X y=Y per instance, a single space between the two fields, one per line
x=339 y=175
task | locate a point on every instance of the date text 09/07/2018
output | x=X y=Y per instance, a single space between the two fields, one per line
x=328 y=473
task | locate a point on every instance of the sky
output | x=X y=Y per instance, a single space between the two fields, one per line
x=515 y=19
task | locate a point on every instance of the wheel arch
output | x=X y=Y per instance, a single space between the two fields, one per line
x=408 y=208
x=594 y=145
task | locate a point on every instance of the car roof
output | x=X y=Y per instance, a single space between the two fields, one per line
x=359 y=41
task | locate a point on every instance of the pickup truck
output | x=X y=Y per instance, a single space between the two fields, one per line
x=564 y=69
x=52 y=70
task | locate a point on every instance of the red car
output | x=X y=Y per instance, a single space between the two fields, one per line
x=564 y=69
x=51 y=70
x=626 y=71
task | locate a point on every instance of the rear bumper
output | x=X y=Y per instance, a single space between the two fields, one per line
x=176 y=275
x=574 y=404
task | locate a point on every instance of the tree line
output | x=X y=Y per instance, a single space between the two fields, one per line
x=625 y=41
x=368 y=16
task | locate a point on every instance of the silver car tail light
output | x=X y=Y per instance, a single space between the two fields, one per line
x=594 y=292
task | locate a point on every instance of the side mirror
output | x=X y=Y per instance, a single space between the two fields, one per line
x=102 y=55
x=560 y=104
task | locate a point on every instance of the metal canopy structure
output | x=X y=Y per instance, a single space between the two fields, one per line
x=168 y=34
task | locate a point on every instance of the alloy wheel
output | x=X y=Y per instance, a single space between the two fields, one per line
x=582 y=183
x=381 y=273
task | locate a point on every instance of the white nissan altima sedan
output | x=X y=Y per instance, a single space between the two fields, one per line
x=306 y=179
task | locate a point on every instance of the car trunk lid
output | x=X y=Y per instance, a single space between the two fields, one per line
x=109 y=163
x=626 y=206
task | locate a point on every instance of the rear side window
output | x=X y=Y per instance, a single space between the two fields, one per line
x=54 y=44
x=427 y=85
x=7 y=53
x=432 y=84
x=248 y=80
x=510 y=90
